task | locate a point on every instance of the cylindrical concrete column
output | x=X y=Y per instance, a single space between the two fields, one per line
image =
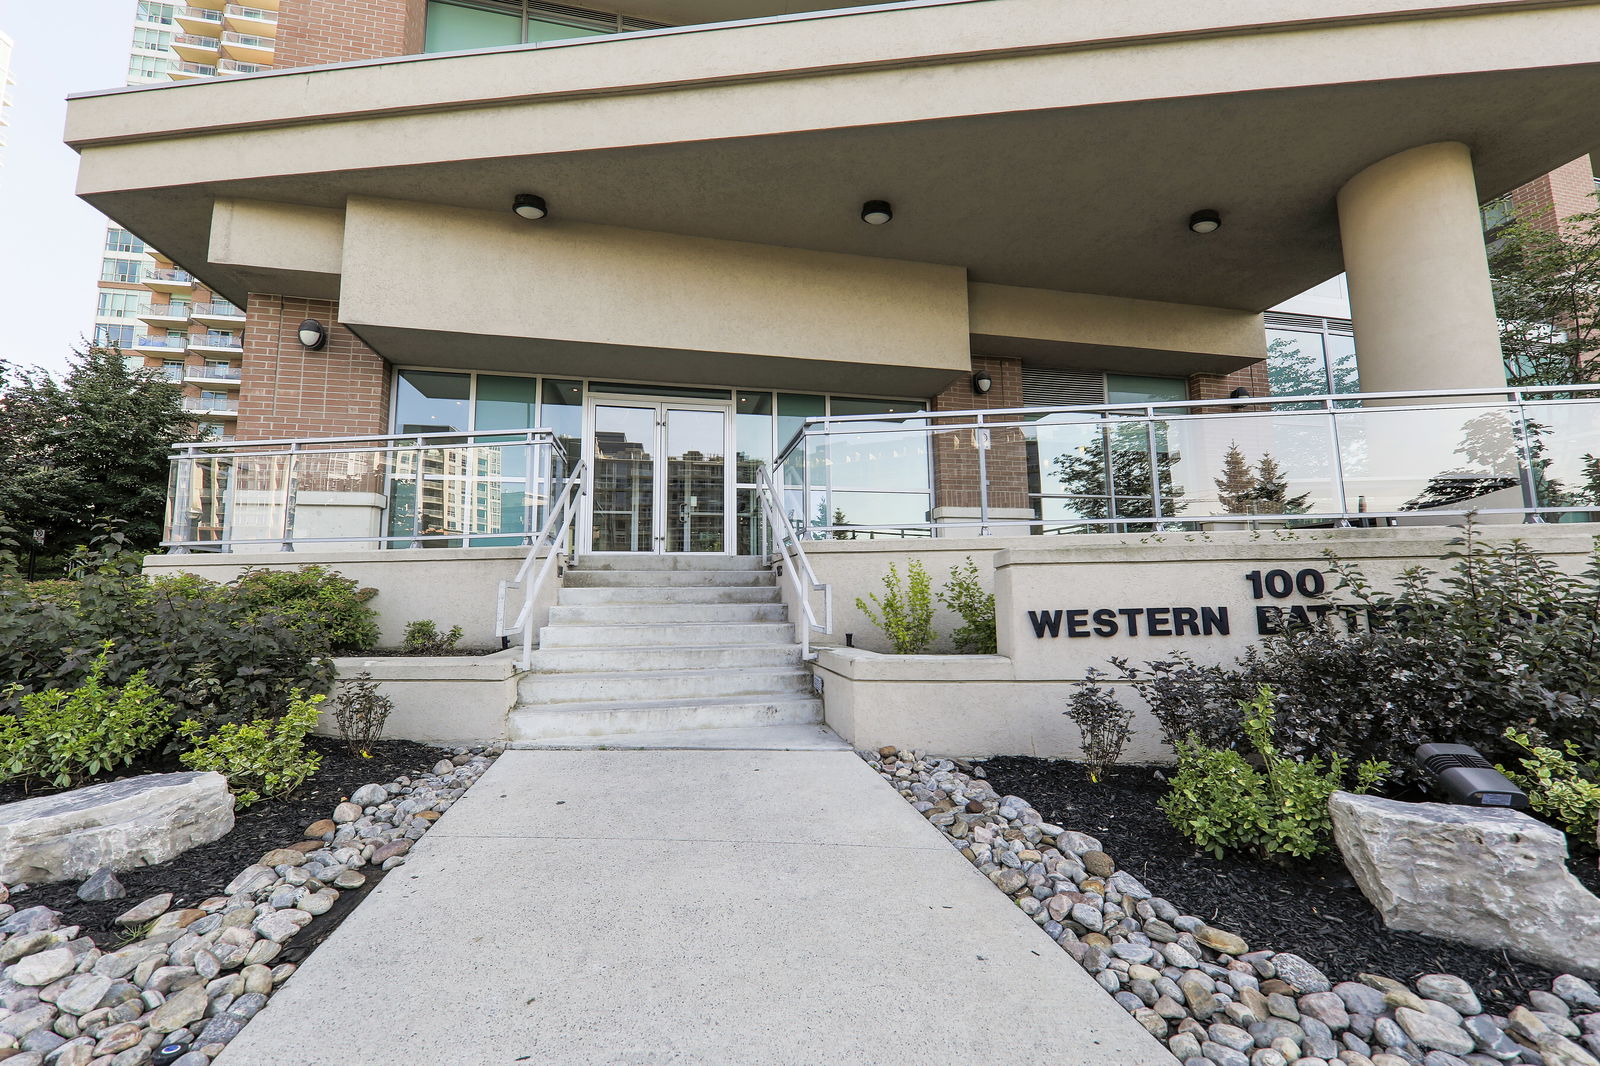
x=1419 y=279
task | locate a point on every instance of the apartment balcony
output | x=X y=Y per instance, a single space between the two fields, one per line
x=248 y=47
x=186 y=71
x=256 y=21
x=214 y=343
x=202 y=21
x=164 y=315
x=211 y=406
x=233 y=66
x=220 y=314
x=160 y=345
x=226 y=376
x=178 y=281
x=195 y=48
x=173 y=374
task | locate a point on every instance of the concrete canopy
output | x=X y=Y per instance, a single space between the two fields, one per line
x=1032 y=142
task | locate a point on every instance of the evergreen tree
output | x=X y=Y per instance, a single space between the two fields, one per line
x=90 y=448
x=1271 y=493
x=1237 y=485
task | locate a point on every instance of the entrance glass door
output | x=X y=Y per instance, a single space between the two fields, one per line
x=660 y=477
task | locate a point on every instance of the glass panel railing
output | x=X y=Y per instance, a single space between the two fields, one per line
x=1403 y=460
x=434 y=490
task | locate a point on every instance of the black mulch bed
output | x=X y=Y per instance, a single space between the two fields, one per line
x=1312 y=908
x=202 y=872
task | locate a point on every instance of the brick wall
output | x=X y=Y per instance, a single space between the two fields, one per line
x=288 y=391
x=955 y=456
x=1221 y=386
x=1560 y=194
x=315 y=32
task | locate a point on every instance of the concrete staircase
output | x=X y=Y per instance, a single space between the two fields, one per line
x=653 y=645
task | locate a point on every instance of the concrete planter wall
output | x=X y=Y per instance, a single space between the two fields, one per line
x=451 y=700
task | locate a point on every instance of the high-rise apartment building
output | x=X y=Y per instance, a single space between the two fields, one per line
x=148 y=306
x=6 y=82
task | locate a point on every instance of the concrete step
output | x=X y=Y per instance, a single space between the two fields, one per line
x=541 y=690
x=574 y=597
x=665 y=634
x=615 y=579
x=661 y=716
x=674 y=613
x=676 y=657
x=640 y=561
x=751 y=738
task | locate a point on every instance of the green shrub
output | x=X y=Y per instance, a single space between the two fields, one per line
x=360 y=711
x=208 y=652
x=328 y=607
x=422 y=637
x=1560 y=785
x=904 y=614
x=964 y=595
x=1503 y=637
x=260 y=759
x=1102 y=721
x=1224 y=804
x=61 y=737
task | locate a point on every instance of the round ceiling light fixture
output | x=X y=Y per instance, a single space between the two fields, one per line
x=529 y=206
x=1207 y=221
x=877 y=212
x=313 y=334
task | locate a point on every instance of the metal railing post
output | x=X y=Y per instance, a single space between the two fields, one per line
x=1338 y=461
x=1525 y=471
x=291 y=495
x=980 y=441
x=1155 y=467
x=416 y=501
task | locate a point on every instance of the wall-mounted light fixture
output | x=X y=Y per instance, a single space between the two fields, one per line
x=982 y=382
x=529 y=206
x=313 y=334
x=1241 y=393
x=1207 y=221
x=876 y=212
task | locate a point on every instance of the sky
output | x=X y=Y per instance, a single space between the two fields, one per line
x=50 y=241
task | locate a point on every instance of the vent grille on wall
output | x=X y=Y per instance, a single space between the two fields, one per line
x=1048 y=386
x=1279 y=320
x=580 y=16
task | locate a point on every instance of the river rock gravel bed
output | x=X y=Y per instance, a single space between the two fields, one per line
x=187 y=979
x=1210 y=996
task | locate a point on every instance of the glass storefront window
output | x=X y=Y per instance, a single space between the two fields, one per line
x=1307 y=363
x=561 y=411
x=428 y=401
x=547 y=30
x=753 y=414
x=793 y=410
x=504 y=402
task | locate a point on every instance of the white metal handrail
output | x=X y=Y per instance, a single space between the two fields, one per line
x=798 y=569
x=556 y=534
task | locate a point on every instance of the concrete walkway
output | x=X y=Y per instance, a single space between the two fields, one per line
x=720 y=908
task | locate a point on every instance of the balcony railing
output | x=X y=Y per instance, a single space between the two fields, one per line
x=249 y=40
x=199 y=70
x=1386 y=459
x=194 y=40
x=165 y=343
x=214 y=373
x=233 y=66
x=216 y=310
x=178 y=311
x=199 y=14
x=176 y=277
x=202 y=405
x=211 y=340
x=239 y=11
x=169 y=373
x=431 y=489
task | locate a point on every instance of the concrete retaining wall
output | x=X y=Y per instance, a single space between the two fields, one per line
x=460 y=700
x=451 y=586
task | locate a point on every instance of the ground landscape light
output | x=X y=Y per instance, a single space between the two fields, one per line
x=1207 y=221
x=1468 y=778
x=529 y=206
x=876 y=212
x=982 y=382
x=313 y=334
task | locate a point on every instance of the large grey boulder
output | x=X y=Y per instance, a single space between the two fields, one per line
x=119 y=825
x=1491 y=877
